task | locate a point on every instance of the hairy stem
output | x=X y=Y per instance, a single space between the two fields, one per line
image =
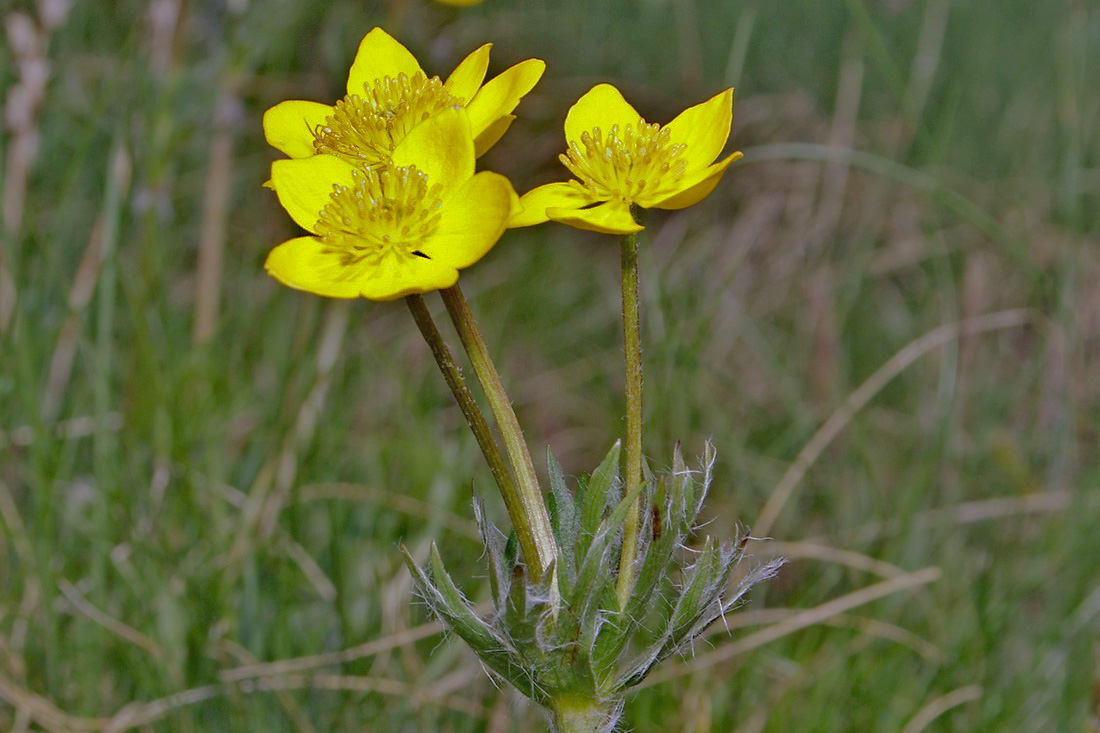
x=575 y=714
x=632 y=343
x=525 y=506
x=465 y=398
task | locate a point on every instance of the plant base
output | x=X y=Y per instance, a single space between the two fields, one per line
x=573 y=714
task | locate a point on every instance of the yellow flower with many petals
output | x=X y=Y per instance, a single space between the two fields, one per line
x=389 y=94
x=404 y=226
x=619 y=159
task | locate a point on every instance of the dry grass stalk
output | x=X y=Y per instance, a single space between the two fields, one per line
x=163 y=29
x=215 y=215
x=77 y=427
x=29 y=40
x=935 y=708
x=80 y=605
x=80 y=295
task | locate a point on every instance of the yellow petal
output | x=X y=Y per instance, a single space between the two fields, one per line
x=493 y=133
x=440 y=146
x=694 y=189
x=466 y=79
x=471 y=221
x=514 y=206
x=611 y=217
x=397 y=277
x=535 y=202
x=601 y=106
x=704 y=129
x=304 y=185
x=301 y=263
x=289 y=126
x=502 y=93
x=380 y=55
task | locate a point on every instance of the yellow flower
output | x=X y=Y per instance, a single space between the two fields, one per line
x=389 y=94
x=619 y=159
x=404 y=226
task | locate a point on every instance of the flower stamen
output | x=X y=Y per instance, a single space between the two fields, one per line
x=381 y=219
x=366 y=128
x=626 y=162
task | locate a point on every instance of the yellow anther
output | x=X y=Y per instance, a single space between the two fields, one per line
x=625 y=162
x=366 y=128
x=387 y=212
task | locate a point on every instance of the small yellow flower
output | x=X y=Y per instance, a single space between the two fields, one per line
x=389 y=94
x=619 y=159
x=404 y=226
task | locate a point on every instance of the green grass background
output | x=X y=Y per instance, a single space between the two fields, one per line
x=241 y=501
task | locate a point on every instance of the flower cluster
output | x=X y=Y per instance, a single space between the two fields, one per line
x=383 y=179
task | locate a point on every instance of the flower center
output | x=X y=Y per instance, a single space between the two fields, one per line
x=365 y=129
x=626 y=162
x=382 y=218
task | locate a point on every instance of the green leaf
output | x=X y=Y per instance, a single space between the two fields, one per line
x=596 y=573
x=682 y=491
x=699 y=593
x=710 y=455
x=582 y=491
x=596 y=497
x=652 y=577
x=611 y=638
x=500 y=575
x=563 y=520
x=658 y=560
x=446 y=600
x=516 y=621
x=511 y=551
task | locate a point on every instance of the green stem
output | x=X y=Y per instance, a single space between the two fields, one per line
x=465 y=398
x=632 y=342
x=525 y=505
x=583 y=715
